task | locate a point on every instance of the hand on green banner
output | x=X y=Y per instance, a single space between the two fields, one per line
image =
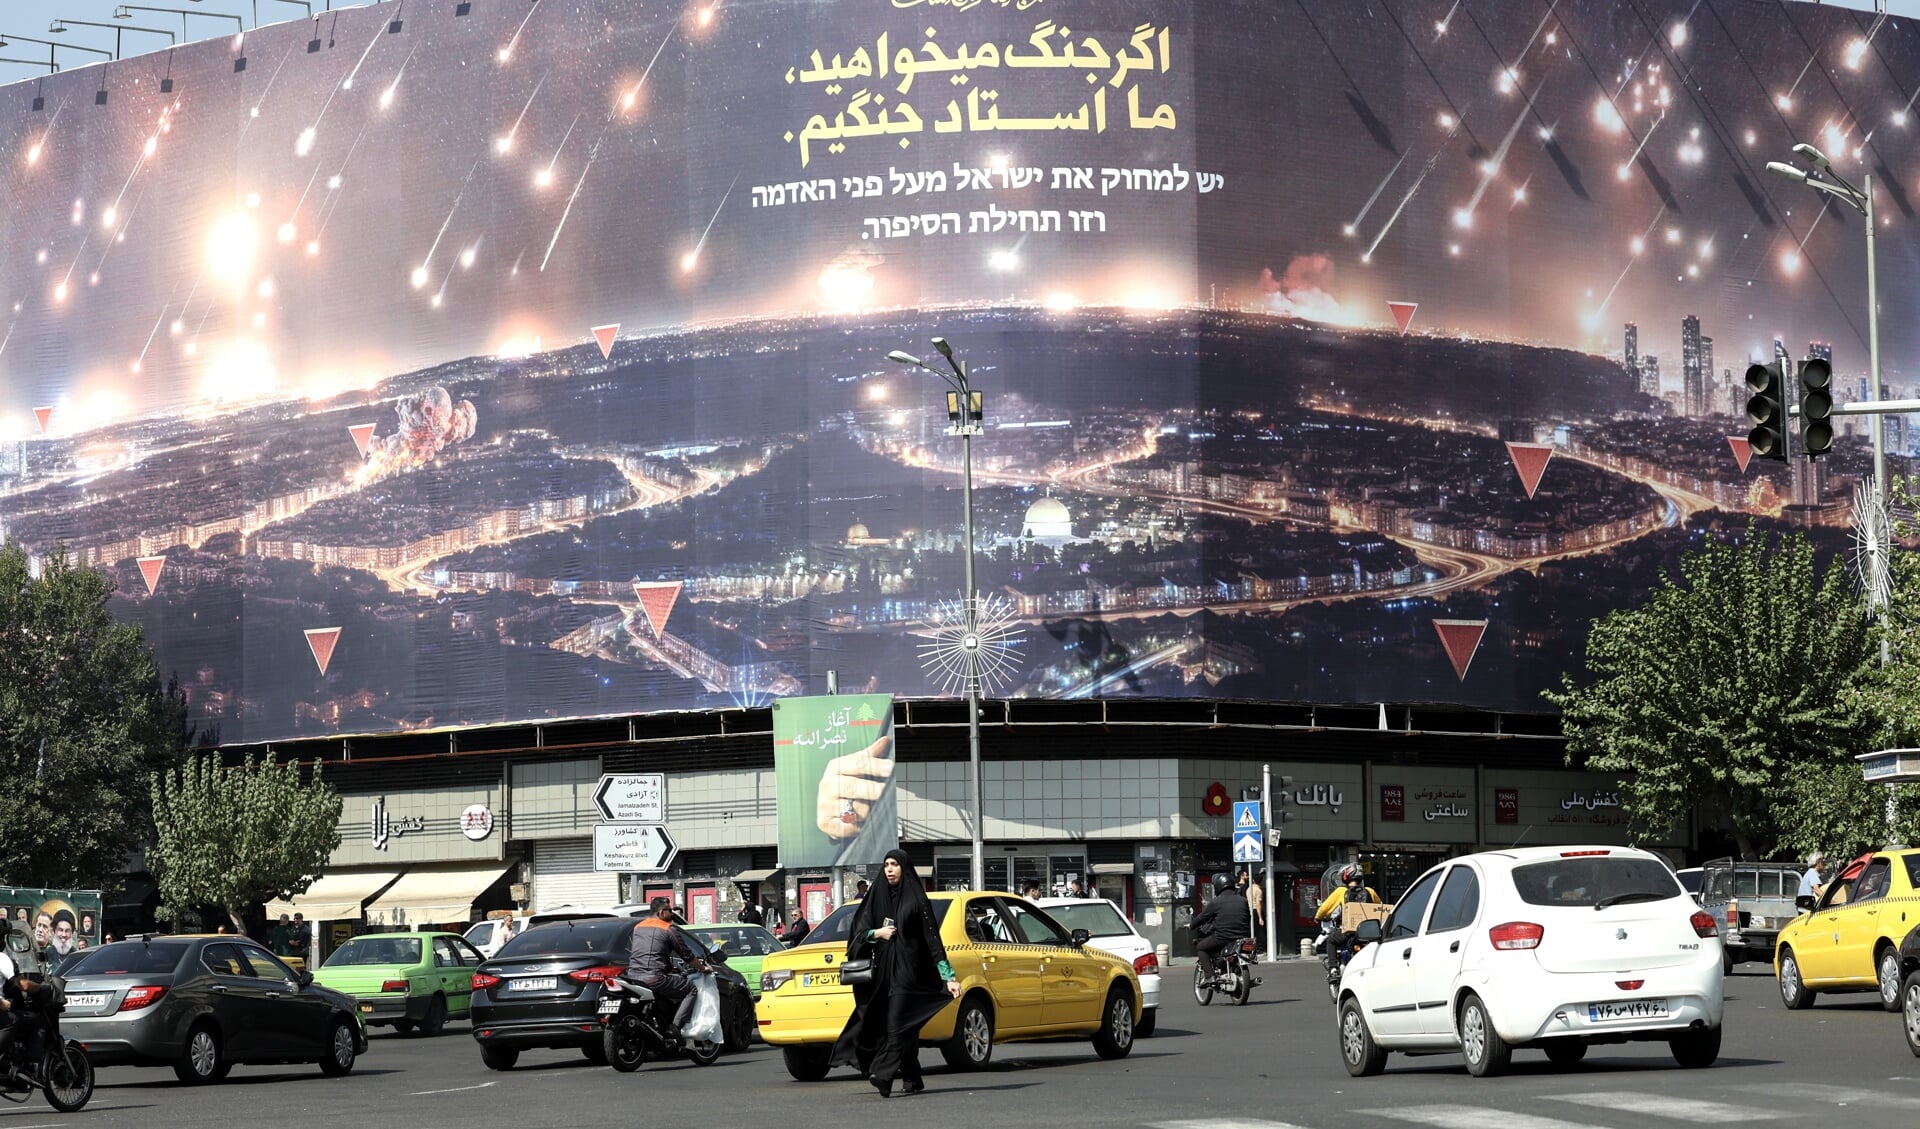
x=851 y=785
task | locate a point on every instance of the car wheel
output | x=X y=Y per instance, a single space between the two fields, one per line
x=1910 y=1011
x=1890 y=978
x=807 y=1064
x=404 y=1026
x=1364 y=1057
x=1564 y=1052
x=1202 y=987
x=1486 y=1052
x=1793 y=991
x=1698 y=1047
x=201 y=1061
x=340 y=1051
x=1116 y=1034
x=499 y=1058
x=1143 y=1027
x=971 y=1047
x=436 y=1020
x=595 y=1052
x=741 y=1039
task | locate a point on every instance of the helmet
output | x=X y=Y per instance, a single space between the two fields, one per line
x=1351 y=874
x=1222 y=883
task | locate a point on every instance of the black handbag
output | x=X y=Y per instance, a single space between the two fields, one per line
x=857 y=972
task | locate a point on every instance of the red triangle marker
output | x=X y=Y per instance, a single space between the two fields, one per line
x=321 y=640
x=605 y=334
x=1742 y=451
x=1403 y=314
x=150 y=571
x=1530 y=459
x=1461 y=638
x=657 y=598
x=43 y=414
x=362 y=435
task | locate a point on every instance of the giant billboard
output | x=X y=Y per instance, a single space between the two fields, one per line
x=419 y=366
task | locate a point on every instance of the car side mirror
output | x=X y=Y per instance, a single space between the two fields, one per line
x=719 y=956
x=1367 y=931
x=303 y=978
x=1803 y=902
x=1080 y=937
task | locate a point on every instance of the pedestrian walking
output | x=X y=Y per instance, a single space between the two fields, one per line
x=1813 y=879
x=1256 y=901
x=750 y=914
x=278 y=937
x=894 y=928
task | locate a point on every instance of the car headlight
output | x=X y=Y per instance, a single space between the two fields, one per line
x=769 y=981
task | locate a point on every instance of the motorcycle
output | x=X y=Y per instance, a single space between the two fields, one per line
x=1232 y=976
x=635 y=1023
x=1335 y=962
x=64 y=1073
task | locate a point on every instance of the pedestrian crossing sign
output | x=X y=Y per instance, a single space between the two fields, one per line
x=1246 y=816
x=1247 y=837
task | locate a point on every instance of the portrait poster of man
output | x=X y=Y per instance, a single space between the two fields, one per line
x=59 y=921
x=833 y=763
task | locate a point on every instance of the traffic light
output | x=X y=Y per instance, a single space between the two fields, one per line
x=1768 y=410
x=1816 y=407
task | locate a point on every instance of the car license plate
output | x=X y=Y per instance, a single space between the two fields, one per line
x=1626 y=1009
x=87 y=999
x=820 y=980
x=609 y=1005
x=535 y=984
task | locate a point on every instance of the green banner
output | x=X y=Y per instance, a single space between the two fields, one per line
x=833 y=766
x=56 y=921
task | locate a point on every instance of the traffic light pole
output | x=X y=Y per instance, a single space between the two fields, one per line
x=1266 y=857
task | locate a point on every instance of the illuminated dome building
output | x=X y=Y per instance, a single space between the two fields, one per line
x=1048 y=522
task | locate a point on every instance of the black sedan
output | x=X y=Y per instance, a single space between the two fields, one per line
x=543 y=990
x=201 y=1004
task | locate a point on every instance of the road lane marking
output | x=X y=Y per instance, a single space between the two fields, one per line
x=1473 y=1117
x=1223 y=1123
x=454 y=1090
x=1656 y=1105
x=1836 y=1095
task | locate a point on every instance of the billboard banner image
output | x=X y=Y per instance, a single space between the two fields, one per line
x=833 y=763
x=58 y=922
x=493 y=363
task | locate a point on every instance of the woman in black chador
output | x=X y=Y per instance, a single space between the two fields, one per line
x=912 y=981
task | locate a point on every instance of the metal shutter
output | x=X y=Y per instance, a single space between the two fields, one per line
x=563 y=874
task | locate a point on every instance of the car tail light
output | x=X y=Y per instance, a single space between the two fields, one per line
x=1733 y=913
x=1582 y=854
x=1146 y=964
x=1517 y=935
x=771 y=981
x=598 y=974
x=1703 y=923
x=1628 y=985
x=393 y=985
x=483 y=980
x=137 y=998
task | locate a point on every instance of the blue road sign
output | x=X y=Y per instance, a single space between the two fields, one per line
x=1247 y=832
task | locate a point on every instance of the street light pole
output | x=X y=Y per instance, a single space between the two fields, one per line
x=964 y=410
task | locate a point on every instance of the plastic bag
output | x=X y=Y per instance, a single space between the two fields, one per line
x=704 y=1026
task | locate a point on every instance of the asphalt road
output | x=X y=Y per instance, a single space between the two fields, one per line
x=1269 y=1065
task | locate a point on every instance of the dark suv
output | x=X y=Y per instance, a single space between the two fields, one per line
x=542 y=989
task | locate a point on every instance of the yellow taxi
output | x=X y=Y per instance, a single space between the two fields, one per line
x=1850 y=940
x=1022 y=977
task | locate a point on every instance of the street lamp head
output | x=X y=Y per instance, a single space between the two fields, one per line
x=903 y=358
x=1814 y=156
x=121 y=13
x=1788 y=171
x=57 y=27
x=946 y=350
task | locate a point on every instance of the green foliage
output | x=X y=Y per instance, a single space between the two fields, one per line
x=1737 y=686
x=83 y=721
x=234 y=837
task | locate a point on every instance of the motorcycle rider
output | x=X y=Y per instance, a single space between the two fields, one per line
x=21 y=985
x=1353 y=890
x=655 y=942
x=1228 y=920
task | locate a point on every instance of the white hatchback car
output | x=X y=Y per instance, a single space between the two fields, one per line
x=1558 y=948
x=1112 y=932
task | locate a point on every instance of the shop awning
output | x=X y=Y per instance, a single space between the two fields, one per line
x=433 y=895
x=1111 y=868
x=756 y=875
x=335 y=897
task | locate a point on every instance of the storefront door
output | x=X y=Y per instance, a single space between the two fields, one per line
x=816 y=900
x=702 y=903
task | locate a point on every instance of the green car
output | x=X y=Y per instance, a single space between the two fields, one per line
x=408 y=981
x=744 y=945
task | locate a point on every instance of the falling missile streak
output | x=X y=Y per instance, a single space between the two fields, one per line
x=545 y=176
x=507 y=51
x=693 y=256
x=332 y=204
x=155 y=332
x=516 y=261
x=1788 y=96
x=1499 y=157
x=568 y=210
x=264 y=91
x=347 y=83
x=68 y=277
x=1627 y=164
x=1440 y=27
x=1402 y=206
x=443 y=223
x=440 y=296
x=1354 y=223
x=633 y=95
x=506 y=142
x=1615 y=288
x=393 y=88
x=9 y=336
x=120 y=233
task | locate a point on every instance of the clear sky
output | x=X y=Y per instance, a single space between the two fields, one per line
x=31 y=17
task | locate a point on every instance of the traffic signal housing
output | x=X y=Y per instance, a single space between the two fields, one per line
x=1767 y=408
x=1816 y=407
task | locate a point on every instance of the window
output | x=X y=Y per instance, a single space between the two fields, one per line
x=264 y=965
x=1746 y=883
x=1458 y=903
x=469 y=956
x=444 y=954
x=376 y=950
x=131 y=958
x=597 y=936
x=985 y=925
x=1405 y=919
x=1595 y=881
x=1033 y=926
x=1099 y=919
x=224 y=959
x=1912 y=863
x=1874 y=882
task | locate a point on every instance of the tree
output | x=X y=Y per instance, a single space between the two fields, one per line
x=83 y=721
x=1738 y=685
x=235 y=837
